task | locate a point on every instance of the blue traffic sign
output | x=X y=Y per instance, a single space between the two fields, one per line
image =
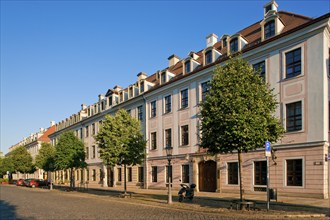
x=267 y=149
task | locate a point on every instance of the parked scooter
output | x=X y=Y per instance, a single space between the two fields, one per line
x=186 y=192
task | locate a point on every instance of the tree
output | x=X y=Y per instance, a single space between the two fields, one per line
x=70 y=154
x=238 y=113
x=120 y=141
x=6 y=165
x=22 y=160
x=46 y=159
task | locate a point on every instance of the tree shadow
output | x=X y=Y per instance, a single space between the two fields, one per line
x=8 y=211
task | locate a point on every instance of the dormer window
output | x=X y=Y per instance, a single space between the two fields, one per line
x=208 y=57
x=141 y=86
x=187 y=66
x=224 y=42
x=163 y=78
x=269 y=29
x=131 y=92
x=234 y=45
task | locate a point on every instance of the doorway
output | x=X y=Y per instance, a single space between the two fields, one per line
x=207 y=176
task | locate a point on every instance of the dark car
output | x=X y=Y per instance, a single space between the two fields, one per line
x=42 y=182
x=35 y=182
x=20 y=182
x=13 y=182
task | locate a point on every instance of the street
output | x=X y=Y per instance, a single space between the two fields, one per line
x=28 y=203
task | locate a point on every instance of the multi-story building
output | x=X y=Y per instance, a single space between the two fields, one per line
x=293 y=53
x=33 y=144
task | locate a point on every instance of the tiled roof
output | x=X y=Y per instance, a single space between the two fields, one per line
x=49 y=131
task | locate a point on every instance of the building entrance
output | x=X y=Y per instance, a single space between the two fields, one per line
x=207 y=176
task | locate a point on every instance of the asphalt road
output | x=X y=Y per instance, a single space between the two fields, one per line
x=27 y=203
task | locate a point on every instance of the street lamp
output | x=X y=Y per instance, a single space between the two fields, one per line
x=169 y=158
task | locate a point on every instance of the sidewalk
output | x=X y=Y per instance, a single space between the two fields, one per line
x=211 y=201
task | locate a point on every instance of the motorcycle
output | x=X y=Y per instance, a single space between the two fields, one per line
x=186 y=192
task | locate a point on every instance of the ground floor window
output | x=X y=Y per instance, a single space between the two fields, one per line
x=119 y=174
x=129 y=174
x=185 y=173
x=87 y=174
x=82 y=174
x=232 y=171
x=260 y=173
x=294 y=172
x=94 y=175
x=169 y=173
x=141 y=174
x=154 y=174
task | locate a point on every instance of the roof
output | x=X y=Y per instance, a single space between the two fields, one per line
x=45 y=135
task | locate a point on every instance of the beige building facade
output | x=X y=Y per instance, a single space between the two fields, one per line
x=293 y=53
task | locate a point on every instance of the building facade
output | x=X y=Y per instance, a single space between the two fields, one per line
x=292 y=52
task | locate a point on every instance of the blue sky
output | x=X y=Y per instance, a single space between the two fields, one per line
x=56 y=55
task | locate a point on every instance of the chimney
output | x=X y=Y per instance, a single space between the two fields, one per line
x=52 y=123
x=83 y=106
x=211 y=40
x=101 y=97
x=172 y=60
x=141 y=76
x=117 y=88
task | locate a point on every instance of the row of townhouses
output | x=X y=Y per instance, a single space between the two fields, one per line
x=293 y=53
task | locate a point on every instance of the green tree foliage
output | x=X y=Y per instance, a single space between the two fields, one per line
x=120 y=140
x=46 y=157
x=6 y=164
x=238 y=113
x=70 y=154
x=22 y=160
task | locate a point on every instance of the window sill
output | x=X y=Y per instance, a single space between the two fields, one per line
x=167 y=113
x=184 y=146
x=294 y=132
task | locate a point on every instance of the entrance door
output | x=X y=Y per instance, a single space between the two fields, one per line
x=110 y=177
x=207 y=176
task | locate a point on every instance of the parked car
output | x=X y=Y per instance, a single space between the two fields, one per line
x=42 y=182
x=20 y=182
x=13 y=182
x=35 y=182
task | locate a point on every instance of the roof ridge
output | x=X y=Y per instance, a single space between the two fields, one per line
x=298 y=15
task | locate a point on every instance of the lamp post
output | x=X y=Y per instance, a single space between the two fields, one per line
x=169 y=158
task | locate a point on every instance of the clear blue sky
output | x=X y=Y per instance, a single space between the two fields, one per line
x=56 y=55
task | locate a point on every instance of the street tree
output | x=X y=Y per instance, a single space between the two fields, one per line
x=6 y=165
x=238 y=113
x=46 y=159
x=120 y=141
x=22 y=160
x=70 y=154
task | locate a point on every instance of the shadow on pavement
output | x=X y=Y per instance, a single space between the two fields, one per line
x=8 y=211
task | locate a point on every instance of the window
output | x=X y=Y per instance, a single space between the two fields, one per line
x=168 y=138
x=153 y=109
x=185 y=173
x=269 y=29
x=130 y=92
x=234 y=45
x=94 y=175
x=77 y=173
x=260 y=67
x=168 y=104
x=163 y=78
x=129 y=174
x=184 y=98
x=224 y=42
x=119 y=174
x=293 y=116
x=208 y=57
x=169 y=173
x=153 y=139
x=187 y=66
x=260 y=173
x=154 y=174
x=101 y=174
x=294 y=172
x=93 y=128
x=141 y=86
x=184 y=135
x=141 y=174
x=81 y=133
x=93 y=152
x=129 y=111
x=110 y=100
x=232 y=173
x=293 y=63
x=87 y=153
x=87 y=174
x=205 y=89
x=86 y=130
x=82 y=175
x=140 y=113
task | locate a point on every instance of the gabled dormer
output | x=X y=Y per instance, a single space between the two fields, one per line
x=210 y=55
x=141 y=82
x=224 y=40
x=190 y=63
x=271 y=25
x=165 y=76
x=236 y=43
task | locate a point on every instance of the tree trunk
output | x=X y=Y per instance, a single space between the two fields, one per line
x=50 y=180
x=71 y=178
x=125 y=187
x=241 y=188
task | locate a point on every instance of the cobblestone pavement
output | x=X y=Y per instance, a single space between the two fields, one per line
x=27 y=203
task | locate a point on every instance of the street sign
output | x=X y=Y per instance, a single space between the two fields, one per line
x=267 y=149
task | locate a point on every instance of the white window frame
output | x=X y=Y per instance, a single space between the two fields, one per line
x=150 y=147
x=180 y=96
x=285 y=172
x=180 y=135
x=154 y=100
x=184 y=164
x=253 y=172
x=200 y=89
x=164 y=103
